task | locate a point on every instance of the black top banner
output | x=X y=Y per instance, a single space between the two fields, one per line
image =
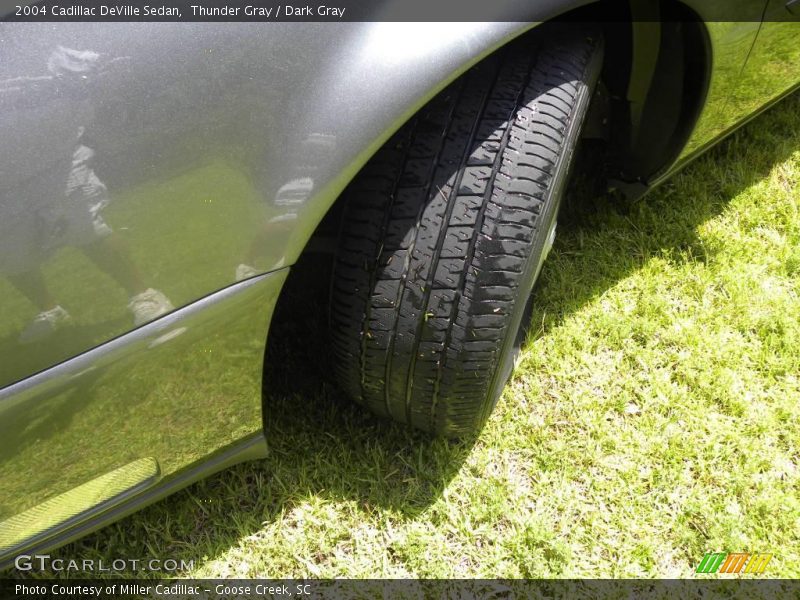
x=394 y=10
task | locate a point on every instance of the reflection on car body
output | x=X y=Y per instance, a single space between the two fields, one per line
x=159 y=180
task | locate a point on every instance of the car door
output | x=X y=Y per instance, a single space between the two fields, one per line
x=773 y=67
x=124 y=183
x=732 y=29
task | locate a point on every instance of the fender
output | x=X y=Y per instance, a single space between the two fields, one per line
x=379 y=78
x=221 y=145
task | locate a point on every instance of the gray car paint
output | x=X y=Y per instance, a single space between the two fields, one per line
x=207 y=137
x=174 y=391
x=219 y=145
x=211 y=139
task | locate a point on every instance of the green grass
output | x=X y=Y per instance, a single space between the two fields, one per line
x=654 y=415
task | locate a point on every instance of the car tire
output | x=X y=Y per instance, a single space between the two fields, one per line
x=444 y=232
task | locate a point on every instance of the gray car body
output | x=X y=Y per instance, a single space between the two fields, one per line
x=212 y=139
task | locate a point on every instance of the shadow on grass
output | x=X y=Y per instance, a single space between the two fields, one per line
x=323 y=447
x=320 y=446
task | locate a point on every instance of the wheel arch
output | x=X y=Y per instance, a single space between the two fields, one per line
x=645 y=71
x=659 y=100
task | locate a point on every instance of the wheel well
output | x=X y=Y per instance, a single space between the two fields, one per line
x=653 y=85
x=660 y=90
